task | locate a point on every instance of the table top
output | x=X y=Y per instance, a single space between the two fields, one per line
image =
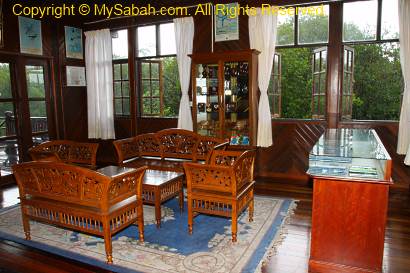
x=157 y=177
x=151 y=177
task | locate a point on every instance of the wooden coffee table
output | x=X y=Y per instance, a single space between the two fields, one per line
x=158 y=186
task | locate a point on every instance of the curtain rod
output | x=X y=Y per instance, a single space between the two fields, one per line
x=122 y=17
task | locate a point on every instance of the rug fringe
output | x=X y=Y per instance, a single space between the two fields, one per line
x=279 y=237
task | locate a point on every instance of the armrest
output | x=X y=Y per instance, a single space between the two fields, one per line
x=244 y=168
x=126 y=185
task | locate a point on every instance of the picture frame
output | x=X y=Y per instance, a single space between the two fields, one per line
x=226 y=28
x=75 y=76
x=73 y=42
x=31 y=41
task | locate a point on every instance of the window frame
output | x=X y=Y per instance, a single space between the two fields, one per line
x=157 y=58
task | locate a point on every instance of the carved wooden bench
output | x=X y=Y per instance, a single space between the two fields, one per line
x=223 y=186
x=80 y=199
x=164 y=150
x=78 y=153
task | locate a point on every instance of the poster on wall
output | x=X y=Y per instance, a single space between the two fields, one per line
x=75 y=76
x=73 y=42
x=226 y=28
x=30 y=36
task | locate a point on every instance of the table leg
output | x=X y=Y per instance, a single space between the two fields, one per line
x=181 y=197
x=158 y=207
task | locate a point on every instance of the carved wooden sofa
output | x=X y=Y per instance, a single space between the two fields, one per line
x=80 y=199
x=164 y=150
x=224 y=186
x=78 y=153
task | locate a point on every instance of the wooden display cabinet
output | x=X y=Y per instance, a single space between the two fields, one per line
x=351 y=173
x=225 y=94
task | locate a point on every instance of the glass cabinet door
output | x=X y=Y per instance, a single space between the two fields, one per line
x=208 y=123
x=236 y=102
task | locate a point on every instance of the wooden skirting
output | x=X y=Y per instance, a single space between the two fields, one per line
x=322 y=267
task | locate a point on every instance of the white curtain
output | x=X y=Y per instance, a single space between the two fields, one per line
x=184 y=38
x=98 y=63
x=403 y=145
x=262 y=36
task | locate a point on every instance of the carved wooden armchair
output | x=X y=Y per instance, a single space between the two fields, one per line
x=223 y=186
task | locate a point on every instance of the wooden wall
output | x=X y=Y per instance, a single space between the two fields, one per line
x=285 y=161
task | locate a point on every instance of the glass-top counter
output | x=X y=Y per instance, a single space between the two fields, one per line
x=355 y=153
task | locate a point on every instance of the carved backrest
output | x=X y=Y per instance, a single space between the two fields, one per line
x=68 y=151
x=126 y=148
x=206 y=145
x=83 y=153
x=224 y=158
x=60 y=147
x=148 y=145
x=226 y=172
x=61 y=182
x=178 y=143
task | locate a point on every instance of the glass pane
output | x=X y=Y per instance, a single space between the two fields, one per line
x=7 y=119
x=313 y=24
x=167 y=36
x=390 y=17
x=9 y=155
x=156 y=107
x=124 y=71
x=286 y=29
x=126 y=106
x=38 y=116
x=146 y=106
x=117 y=72
x=146 y=41
x=358 y=26
x=5 y=83
x=146 y=88
x=118 y=106
x=155 y=88
x=171 y=87
x=324 y=61
x=296 y=82
x=378 y=82
x=119 y=44
x=145 y=70
x=154 y=70
x=117 y=89
x=35 y=81
x=125 y=89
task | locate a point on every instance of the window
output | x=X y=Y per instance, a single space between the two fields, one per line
x=9 y=153
x=313 y=24
x=37 y=103
x=298 y=84
x=158 y=77
x=121 y=90
x=356 y=25
x=275 y=90
x=119 y=44
x=120 y=72
x=372 y=77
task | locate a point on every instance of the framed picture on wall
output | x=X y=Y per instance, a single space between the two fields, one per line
x=30 y=36
x=73 y=42
x=75 y=76
x=226 y=28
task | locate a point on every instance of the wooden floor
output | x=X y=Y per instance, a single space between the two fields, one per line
x=291 y=255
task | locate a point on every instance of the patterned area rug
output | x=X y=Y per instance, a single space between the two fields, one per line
x=169 y=248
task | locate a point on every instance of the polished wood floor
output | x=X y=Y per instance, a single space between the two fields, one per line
x=291 y=255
